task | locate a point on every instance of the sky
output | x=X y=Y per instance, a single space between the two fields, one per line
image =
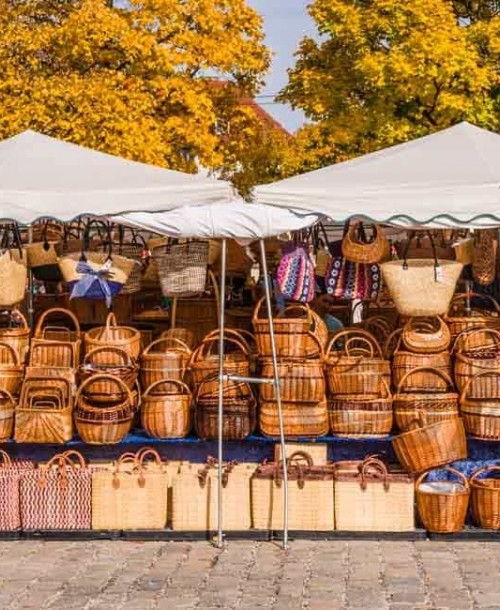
x=285 y=24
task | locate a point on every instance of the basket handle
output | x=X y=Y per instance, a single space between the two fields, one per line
x=57 y=310
x=79 y=457
x=454 y=471
x=175 y=382
x=228 y=332
x=7 y=395
x=296 y=307
x=214 y=377
x=16 y=314
x=47 y=400
x=462 y=339
x=380 y=471
x=471 y=295
x=419 y=422
x=357 y=333
x=258 y=307
x=12 y=352
x=482 y=470
x=200 y=352
x=104 y=376
x=60 y=330
x=63 y=460
x=127 y=359
x=167 y=340
x=429 y=369
x=463 y=395
x=6 y=459
x=362 y=350
x=387 y=345
x=30 y=381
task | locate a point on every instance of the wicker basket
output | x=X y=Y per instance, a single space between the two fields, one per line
x=427 y=446
x=358 y=367
x=460 y=319
x=299 y=419
x=131 y=498
x=470 y=361
x=194 y=497
x=485 y=498
x=319 y=329
x=166 y=409
x=182 y=268
x=204 y=364
x=239 y=411
x=310 y=495
x=104 y=425
x=371 y=497
x=15 y=331
x=45 y=351
x=481 y=415
x=11 y=370
x=291 y=334
x=57 y=495
x=442 y=505
x=7 y=408
x=414 y=288
x=426 y=335
x=112 y=335
x=367 y=252
x=407 y=362
x=361 y=416
x=437 y=405
x=165 y=358
x=107 y=361
x=13 y=278
x=183 y=334
x=45 y=411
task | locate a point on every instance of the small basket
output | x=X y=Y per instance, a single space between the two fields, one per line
x=481 y=415
x=182 y=268
x=442 y=505
x=165 y=358
x=426 y=335
x=427 y=446
x=166 y=409
x=358 y=367
x=485 y=498
x=299 y=419
x=112 y=335
x=361 y=416
x=460 y=319
x=472 y=359
x=437 y=405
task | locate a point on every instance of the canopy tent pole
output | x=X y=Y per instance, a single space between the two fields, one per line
x=277 y=391
x=220 y=413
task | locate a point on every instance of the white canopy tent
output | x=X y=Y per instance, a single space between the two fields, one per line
x=447 y=179
x=45 y=177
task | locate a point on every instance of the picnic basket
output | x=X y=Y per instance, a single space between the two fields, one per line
x=461 y=317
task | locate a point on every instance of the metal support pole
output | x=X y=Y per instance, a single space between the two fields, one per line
x=220 y=413
x=277 y=392
x=31 y=307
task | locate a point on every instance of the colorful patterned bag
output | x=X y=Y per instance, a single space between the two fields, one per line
x=295 y=273
x=347 y=280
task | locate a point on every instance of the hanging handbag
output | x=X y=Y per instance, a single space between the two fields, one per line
x=347 y=280
x=42 y=257
x=484 y=258
x=13 y=271
x=357 y=248
x=295 y=273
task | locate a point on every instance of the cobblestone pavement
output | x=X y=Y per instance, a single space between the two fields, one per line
x=105 y=575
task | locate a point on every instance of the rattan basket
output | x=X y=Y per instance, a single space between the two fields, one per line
x=426 y=335
x=47 y=351
x=11 y=370
x=112 y=335
x=166 y=409
x=15 y=331
x=165 y=358
x=459 y=318
x=481 y=415
x=107 y=361
x=7 y=408
x=299 y=419
x=404 y=362
x=485 y=498
x=472 y=359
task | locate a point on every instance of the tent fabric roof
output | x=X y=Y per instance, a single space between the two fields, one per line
x=449 y=178
x=41 y=177
x=236 y=220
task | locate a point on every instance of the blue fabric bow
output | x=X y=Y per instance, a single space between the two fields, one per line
x=90 y=276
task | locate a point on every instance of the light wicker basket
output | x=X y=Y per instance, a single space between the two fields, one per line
x=46 y=351
x=166 y=409
x=485 y=497
x=299 y=419
x=481 y=415
x=472 y=359
x=112 y=335
x=459 y=318
x=165 y=358
x=426 y=335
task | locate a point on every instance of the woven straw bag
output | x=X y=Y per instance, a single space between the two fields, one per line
x=11 y=370
x=317 y=451
x=438 y=405
x=182 y=268
x=442 y=505
x=112 y=335
x=10 y=514
x=194 y=497
x=48 y=352
x=45 y=411
x=374 y=498
x=13 y=280
x=481 y=415
x=470 y=361
x=310 y=495
x=356 y=250
x=299 y=419
x=484 y=257
x=57 y=495
x=131 y=498
x=485 y=497
x=462 y=317
x=428 y=335
x=427 y=446
x=15 y=331
x=166 y=409
x=165 y=358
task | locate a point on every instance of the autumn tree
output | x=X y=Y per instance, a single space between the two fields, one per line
x=131 y=79
x=383 y=71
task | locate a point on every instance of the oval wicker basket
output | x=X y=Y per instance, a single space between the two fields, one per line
x=470 y=361
x=168 y=363
x=429 y=446
x=299 y=419
x=358 y=367
x=112 y=335
x=437 y=406
x=442 y=505
x=318 y=334
x=166 y=409
x=481 y=415
x=459 y=318
x=426 y=335
x=485 y=498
